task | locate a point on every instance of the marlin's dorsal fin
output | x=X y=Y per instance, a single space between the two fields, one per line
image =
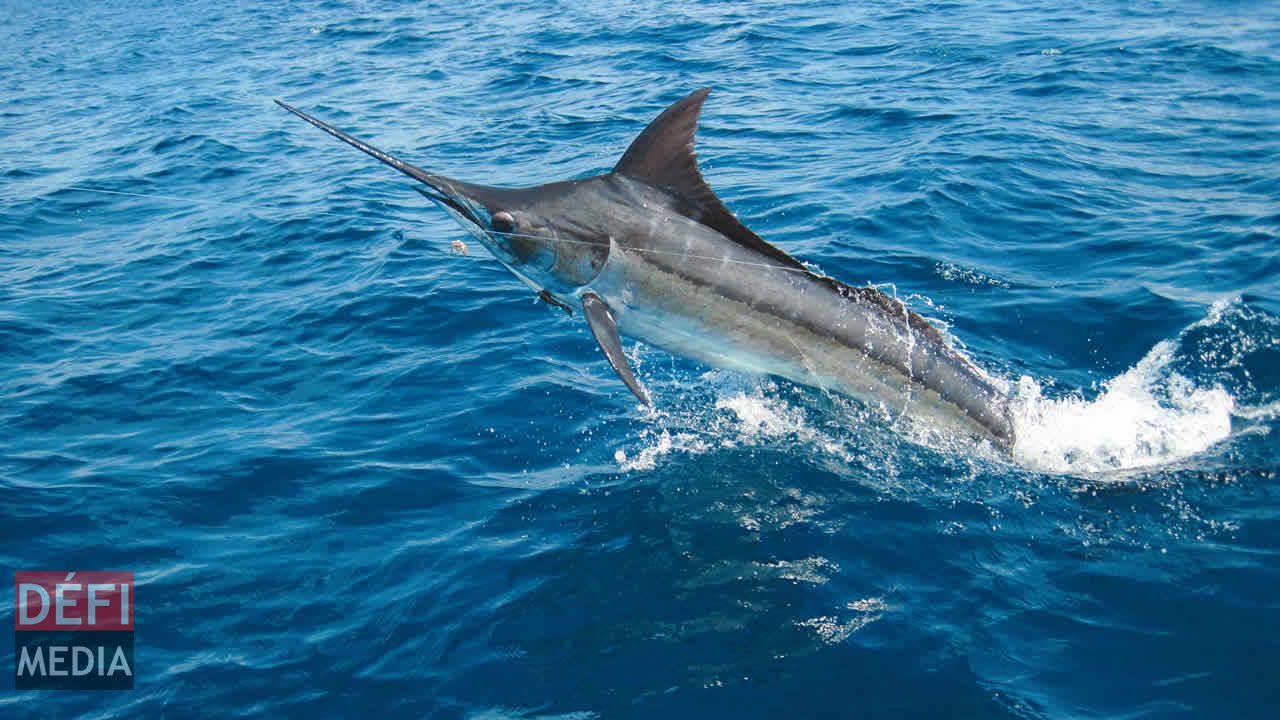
x=663 y=157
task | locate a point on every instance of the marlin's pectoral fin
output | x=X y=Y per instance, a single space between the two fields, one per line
x=605 y=330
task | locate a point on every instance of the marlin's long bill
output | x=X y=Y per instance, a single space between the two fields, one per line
x=446 y=190
x=648 y=250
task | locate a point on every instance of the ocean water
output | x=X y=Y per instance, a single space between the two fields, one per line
x=357 y=473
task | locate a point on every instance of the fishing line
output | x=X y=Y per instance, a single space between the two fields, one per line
x=222 y=203
x=249 y=206
x=673 y=253
x=242 y=206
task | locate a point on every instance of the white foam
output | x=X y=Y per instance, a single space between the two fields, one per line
x=665 y=443
x=759 y=416
x=735 y=418
x=1146 y=416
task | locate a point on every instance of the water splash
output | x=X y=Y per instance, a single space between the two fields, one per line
x=1179 y=400
x=1146 y=416
x=664 y=443
x=734 y=418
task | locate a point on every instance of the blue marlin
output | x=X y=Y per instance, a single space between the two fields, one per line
x=649 y=251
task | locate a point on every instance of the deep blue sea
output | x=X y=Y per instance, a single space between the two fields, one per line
x=358 y=474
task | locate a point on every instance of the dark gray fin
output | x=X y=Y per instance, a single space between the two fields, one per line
x=600 y=318
x=663 y=157
x=546 y=297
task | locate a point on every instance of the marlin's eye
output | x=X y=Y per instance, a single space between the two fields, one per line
x=503 y=222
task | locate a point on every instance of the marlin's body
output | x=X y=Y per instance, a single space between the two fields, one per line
x=649 y=251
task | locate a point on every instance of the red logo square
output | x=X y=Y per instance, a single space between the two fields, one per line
x=73 y=601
